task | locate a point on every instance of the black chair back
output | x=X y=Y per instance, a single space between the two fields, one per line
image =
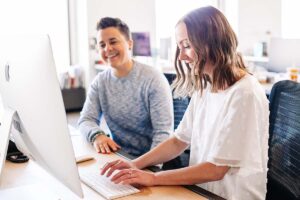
x=284 y=141
x=179 y=104
x=179 y=107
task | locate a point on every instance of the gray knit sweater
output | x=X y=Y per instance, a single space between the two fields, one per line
x=137 y=108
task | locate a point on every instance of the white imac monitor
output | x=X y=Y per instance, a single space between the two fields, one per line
x=34 y=111
x=283 y=53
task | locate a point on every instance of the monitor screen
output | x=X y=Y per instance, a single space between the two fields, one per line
x=283 y=53
x=165 y=48
x=141 y=44
x=33 y=107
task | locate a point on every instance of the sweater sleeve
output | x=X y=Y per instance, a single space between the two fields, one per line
x=161 y=109
x=91 y=113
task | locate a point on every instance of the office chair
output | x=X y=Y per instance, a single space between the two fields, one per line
x=179 y=104
x=284 y=142
x=179 y=107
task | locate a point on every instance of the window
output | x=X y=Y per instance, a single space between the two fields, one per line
x=39 y=17
x=167 y=14
x=289 y=18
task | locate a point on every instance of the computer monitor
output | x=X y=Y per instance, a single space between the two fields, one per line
x=165 y=48
x=141 y=44
x=34 y=109
x=283 y=53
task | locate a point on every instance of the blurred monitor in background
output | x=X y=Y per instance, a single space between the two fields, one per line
x=283 y=53
x=141 y=44
x=165 y=48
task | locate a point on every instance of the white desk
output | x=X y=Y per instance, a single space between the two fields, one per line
x=31 y=175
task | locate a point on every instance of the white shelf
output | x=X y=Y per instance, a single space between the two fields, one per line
x=162 y=65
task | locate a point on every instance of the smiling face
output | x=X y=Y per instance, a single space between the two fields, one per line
x=114 y=48
x=208 y=45
x=187 y=52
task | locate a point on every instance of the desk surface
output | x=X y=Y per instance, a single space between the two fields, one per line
x=29 y=174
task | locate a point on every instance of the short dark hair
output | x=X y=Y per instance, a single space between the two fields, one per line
x=107 y=22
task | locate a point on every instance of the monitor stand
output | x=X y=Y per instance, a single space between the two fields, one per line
x=5 y=128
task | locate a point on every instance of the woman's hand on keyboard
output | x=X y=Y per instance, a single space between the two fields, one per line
x=110 y=167
x=134 y=177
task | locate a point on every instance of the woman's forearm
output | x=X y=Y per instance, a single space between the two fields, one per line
x=200 y=173
x=163 y=152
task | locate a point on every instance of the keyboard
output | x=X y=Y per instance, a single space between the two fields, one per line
x=103 y=185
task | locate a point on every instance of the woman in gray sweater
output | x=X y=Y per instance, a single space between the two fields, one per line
x=134 y=99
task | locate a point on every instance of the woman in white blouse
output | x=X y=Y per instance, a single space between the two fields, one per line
x=225 y=125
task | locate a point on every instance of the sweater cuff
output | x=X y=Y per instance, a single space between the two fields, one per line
x=95 y=135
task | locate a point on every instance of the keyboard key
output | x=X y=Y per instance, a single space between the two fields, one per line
x=101 y=184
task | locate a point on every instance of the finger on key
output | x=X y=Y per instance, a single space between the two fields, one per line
x=107 y=166
x=120 y=174
x=113 y=168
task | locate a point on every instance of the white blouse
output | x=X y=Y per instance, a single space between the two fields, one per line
x=230 y=128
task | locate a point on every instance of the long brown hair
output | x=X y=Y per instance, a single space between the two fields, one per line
x=213 y=39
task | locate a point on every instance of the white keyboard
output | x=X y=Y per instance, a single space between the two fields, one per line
x=103 y=185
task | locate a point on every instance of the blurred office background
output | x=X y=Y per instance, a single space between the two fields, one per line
x=71 y=25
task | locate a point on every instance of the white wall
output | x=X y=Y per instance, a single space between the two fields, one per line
x=255 y=18
x=138 y=14
x=79 y=38
x=39 y=17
